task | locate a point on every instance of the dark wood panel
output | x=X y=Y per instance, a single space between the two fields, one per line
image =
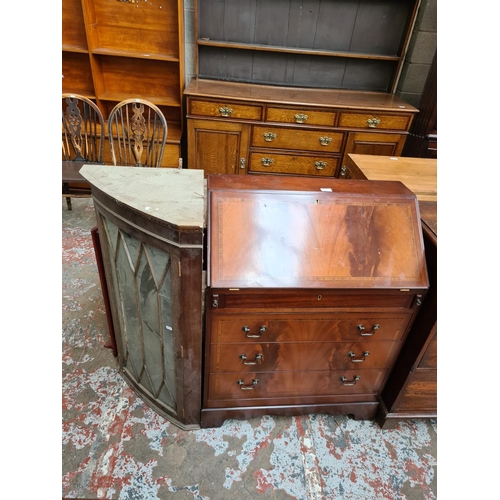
x=380 y=27
x=421 y=392
x=429 y=359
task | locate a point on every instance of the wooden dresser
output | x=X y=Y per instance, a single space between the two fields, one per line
x=313 y=285
x=243 y=128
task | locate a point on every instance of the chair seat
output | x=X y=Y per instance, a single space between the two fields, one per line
x=71 y=170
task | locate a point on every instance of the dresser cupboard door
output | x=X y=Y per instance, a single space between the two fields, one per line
x=368 y=143
x=217 y=147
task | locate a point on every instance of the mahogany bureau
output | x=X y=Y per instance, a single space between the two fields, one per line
x=312 y=286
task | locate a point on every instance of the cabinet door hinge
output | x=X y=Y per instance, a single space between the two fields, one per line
x=182 y=352
x=179 y=265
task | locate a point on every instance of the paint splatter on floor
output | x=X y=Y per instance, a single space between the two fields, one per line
x=116 y=447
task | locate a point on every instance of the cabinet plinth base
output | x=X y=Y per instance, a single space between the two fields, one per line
x=215 y=417
x=389 y=420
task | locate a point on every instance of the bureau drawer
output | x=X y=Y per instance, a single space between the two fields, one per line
x=246 y=299
x=225 y=110
x=333 y=327
x=300 y=116
x=294 y=384
x=297 y=139
x=372 y=121
x=273 y=163
x=290 y=356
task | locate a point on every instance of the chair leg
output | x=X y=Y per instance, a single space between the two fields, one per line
x=68 y=202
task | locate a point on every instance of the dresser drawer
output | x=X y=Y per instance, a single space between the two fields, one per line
x=306 y=116
x=273 y=163
x=294 y=384
x=224 y=110
x=375 y=121
x=334 y=327
x=297 y=139
x=290 y=356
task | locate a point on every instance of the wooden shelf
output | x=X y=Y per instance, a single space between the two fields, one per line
x=121 y=96
x=292 y=50
x=74 y=48
x=136 y=55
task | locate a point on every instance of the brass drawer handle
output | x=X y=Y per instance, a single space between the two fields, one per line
x=267 y=161
x=324 y=141
x=225 y=111
x=373 y=122
x=320 y=165
x=359 y=360
x=269 y=136
x=243 y=387
x=262 y=329
x=258 y=359
x=361 y=329
x=344 y=380
x=300 y=117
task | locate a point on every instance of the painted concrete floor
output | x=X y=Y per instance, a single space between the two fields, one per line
x=115 y=447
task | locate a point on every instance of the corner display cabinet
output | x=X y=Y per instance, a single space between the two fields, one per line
x=114 y=50
x=150 y=225
x=290 y=88
x=312 y=287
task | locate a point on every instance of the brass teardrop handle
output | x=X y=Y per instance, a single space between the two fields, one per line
x=373 y=122
x=258 y=359
x=244 y=387
x=269 y=136
x=225 y=111
x=262 y=329
x=300 y=117
x=359 y=360
x=343 y=171
x=344 y=380
x=361 y=329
